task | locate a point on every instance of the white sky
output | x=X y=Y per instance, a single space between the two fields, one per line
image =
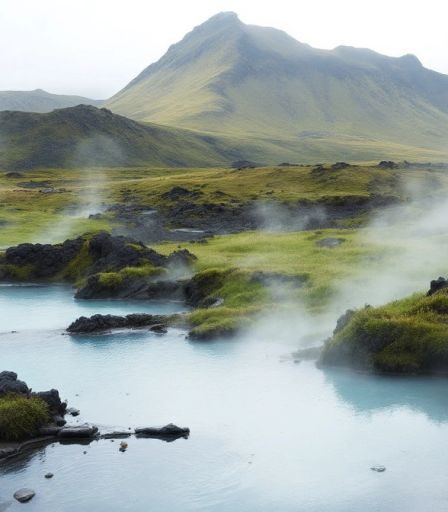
x=95 y=47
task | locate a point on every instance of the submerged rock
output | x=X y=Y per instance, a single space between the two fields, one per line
x=378 y=469
x=24 y=495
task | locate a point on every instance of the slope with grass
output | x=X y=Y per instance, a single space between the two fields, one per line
x=84 y=136
x=270 y=90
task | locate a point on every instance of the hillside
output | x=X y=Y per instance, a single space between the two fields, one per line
x=40 y=101
x=261 y=84
x=87 y=136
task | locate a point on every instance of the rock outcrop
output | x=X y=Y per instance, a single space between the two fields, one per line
x=100 y=323
x=10 y=384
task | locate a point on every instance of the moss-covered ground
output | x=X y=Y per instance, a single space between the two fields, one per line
x=405 y=336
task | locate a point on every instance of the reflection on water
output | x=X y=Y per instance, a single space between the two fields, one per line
x=368 y=394
x=266 y=435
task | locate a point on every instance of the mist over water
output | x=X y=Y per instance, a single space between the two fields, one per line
x=266 y=434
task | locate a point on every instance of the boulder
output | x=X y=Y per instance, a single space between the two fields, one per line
x=99 y=323
x=10 y=384
x=169 y=431
x=436 y=285
x=52 y=398
x=78 y=432
x=24 y=495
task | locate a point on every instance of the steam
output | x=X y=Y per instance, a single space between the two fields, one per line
x=274 y=217
x=88 y=156
x=408 y=246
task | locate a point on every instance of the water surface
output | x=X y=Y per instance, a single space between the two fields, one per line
x=266 y=434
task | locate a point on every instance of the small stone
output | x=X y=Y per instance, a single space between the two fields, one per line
x=24 y=495
x=378 y=469
x=49 y=475
x=72 y=411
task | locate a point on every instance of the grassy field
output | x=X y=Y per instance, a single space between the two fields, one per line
x=60 y=203
x=59 y=208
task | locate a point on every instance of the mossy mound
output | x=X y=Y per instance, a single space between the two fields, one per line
x=106 y=265
x=406 y=336
x=21 y=416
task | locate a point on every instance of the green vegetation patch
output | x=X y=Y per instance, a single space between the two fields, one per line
x=21 y=416
x=115 y=279
x=405 y=336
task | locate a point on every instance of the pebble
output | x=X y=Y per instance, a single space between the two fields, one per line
x=49 y=475
x=24 y=495
x=378 y=469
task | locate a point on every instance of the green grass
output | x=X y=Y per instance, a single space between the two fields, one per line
x=405 y=336
x=27 y=215
x=115 y=279
x=21 y=416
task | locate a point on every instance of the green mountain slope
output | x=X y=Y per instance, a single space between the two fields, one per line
x=40 y=101
x=87 y=136
x=259 y=83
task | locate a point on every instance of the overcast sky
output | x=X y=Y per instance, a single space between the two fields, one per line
x=95 y=47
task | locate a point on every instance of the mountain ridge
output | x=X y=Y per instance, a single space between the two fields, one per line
x=229 y=78
x=41 y=101
x=85 y=136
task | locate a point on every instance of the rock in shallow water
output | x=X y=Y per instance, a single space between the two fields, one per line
x=378 y=469
x=169 y=431
x=24 y=495
x=78 y=432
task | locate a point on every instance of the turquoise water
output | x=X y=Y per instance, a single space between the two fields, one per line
x=266 y=434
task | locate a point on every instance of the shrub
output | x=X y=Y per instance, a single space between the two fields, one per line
x=21 y=416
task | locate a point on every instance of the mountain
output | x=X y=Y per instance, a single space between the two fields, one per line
x=87 y=136
x=40 y=101
x=259 y=83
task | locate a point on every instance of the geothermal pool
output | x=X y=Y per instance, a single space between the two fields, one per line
x=266 y=434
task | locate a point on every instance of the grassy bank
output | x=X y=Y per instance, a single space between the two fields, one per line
x=405 y=336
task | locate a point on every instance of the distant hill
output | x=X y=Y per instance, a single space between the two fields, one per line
x=40 y=101
x=87 y=136
x=259 y=83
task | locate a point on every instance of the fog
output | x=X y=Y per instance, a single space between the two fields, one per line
x=409 y=247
